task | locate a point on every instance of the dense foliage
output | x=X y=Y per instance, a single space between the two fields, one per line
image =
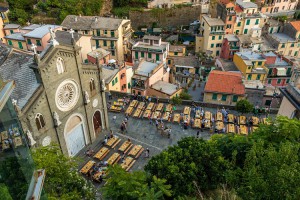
x=15 y=173
x=264 y=165
x=131 y=186
x=22 y=11
x=131 y=3
x=62 y=179
x=244 y=106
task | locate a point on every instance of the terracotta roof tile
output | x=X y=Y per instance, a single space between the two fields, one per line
x=225 y=82
x=238 y=9
x=296 y=25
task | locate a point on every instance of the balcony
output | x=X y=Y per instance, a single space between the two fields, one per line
x=139 y=84
x=234 y=47
x=218 y=32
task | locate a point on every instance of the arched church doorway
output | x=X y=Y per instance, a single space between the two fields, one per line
x=75 y=134
x=97 y=122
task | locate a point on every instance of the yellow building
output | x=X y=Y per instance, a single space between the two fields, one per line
x=111 y=34
x=212 y=30
x=252 y=65
x=111 y=77
x=224 y=88
x=3 y=19
x=287 y=43
x=177 y=50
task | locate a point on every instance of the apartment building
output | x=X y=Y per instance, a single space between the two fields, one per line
x=287 y=43
x=151 y=49
x=111 y=34
x=212 y=31
x=230 y=46
x=276 y=6
x=147 y=74
x=279 y=69
x=226 y=11
x=252 y=65
x=39 y=36
x=224 y=88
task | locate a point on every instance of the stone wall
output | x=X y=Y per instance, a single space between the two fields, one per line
x=171 y=17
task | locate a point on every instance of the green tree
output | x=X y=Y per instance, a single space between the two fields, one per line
x=185 y=96
x=4 y=192
x=280 y=130
x=123 y=185
x=271 y=173
x=244 y=106
x=176 y=100
x=188 y=162
x=62 y=179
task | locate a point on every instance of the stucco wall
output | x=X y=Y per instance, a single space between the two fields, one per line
x=286 y=108
x=208 y=99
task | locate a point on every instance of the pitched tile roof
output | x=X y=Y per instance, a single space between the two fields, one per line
x=296 y=25
x=17 y=67
x=225 y=82
x=91 y=22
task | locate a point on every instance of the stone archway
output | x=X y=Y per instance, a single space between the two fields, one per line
x=97 y=123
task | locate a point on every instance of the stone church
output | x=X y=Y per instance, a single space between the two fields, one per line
x=58 y=98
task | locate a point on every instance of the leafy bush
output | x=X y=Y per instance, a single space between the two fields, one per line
x=185 y=96
x=244 y=106
x=176 y=100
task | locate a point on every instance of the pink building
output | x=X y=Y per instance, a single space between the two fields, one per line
x=230 y=46
x=40 y=37
x=275 y=6
x=147 y=74
x=102 y=55
x=280 y=69
x=11 y=29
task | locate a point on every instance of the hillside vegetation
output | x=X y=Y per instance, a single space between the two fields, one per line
x=37 y=11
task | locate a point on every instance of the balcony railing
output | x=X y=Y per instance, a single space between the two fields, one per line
x=219 y=32
x=234 y=47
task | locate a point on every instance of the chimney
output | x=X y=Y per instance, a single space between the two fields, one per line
x=75 y=18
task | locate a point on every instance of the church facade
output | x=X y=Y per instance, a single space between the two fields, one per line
x=68 y=104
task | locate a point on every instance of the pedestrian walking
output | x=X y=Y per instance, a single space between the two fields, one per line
x=156 y=123
x=147 y=153
x=114 y=119
x=198 y=133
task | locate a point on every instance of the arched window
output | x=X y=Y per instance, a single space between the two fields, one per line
x=39 y=120
x=92 y=86
x=60 y=65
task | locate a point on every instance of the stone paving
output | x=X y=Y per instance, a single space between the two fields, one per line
x=141 y=132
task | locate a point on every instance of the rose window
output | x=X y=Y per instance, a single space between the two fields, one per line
x=67 y=95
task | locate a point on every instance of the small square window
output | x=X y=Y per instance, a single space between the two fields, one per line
x=224 y=97
x=235 y=98
x=214 y=96
x=38 y=43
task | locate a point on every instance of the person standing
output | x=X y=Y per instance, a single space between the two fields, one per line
x=147 y=153
x=156 y=123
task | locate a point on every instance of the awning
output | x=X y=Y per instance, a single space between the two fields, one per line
x=281 y=71
x=112 y=61
x=181 y=66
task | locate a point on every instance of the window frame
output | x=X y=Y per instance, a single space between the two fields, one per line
x=40 y=121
